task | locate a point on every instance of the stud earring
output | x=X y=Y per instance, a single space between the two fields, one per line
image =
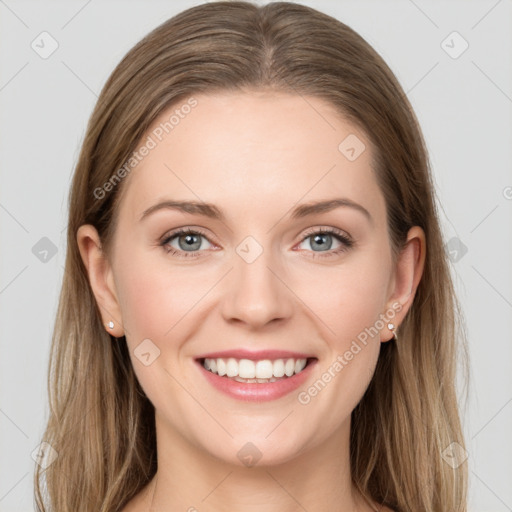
x=392 y=328
x=111 y=325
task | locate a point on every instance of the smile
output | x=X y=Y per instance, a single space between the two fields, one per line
x=248 y=371
x=256 y=376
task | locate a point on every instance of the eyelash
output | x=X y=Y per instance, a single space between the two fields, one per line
x=347 y=243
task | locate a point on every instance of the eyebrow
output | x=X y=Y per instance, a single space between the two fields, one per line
x=211 y=211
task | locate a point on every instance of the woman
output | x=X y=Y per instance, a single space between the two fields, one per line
x=257 y=311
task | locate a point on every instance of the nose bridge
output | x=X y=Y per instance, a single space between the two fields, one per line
x=256 y=293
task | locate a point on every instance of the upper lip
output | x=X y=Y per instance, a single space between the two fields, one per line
x=255 y=355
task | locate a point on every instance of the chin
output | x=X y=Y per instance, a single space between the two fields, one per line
x=253 y=450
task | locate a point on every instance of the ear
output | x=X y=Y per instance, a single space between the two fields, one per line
x=408 y=272
x=101 y=278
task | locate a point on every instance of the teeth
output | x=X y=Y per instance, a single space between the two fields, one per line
x=231 y=368
x=289 y=367
x=264 y=369
x=278 y=368
x=221 y=366
x=245 y=370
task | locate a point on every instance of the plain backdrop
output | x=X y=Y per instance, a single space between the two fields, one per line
x=460 y=86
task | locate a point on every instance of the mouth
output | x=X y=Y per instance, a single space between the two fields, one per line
x=255 y=377
x=262 y=371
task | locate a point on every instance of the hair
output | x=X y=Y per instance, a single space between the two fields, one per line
x=101 y=423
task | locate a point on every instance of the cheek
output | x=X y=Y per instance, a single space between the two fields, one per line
x=350 y=308
x=154 y=295
x=353 y=298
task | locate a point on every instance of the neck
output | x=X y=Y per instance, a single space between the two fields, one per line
x=189 y=479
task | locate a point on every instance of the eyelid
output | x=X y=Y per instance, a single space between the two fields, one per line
x=309 y=231
x=342 y=236
x=184 y=230
x=166 y=239
x=326 y=229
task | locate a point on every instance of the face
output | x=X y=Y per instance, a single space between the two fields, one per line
x=263 y=281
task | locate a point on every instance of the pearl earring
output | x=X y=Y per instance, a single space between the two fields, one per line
x=392 y=328
x=111 y=325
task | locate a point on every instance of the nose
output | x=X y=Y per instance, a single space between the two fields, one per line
x=256 y=293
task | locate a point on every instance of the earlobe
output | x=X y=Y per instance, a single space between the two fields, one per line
x=100 y=278
x=408 y=272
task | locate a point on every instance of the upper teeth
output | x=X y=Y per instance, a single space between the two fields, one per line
x=247 y=369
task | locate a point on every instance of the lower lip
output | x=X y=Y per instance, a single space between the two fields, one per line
x=255 y=392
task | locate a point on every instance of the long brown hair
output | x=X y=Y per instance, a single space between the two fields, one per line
x=101 y=424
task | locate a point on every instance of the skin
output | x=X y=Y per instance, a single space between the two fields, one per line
x=256 y=155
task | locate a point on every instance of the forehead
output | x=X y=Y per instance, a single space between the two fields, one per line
x=251 y=149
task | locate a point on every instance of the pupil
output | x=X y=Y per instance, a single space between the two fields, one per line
x=321 y=240
x=189 y=241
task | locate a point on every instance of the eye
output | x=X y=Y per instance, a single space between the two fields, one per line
x=188 y=241
x=322 y=239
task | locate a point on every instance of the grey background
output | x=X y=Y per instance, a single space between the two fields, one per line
x=464 y=106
